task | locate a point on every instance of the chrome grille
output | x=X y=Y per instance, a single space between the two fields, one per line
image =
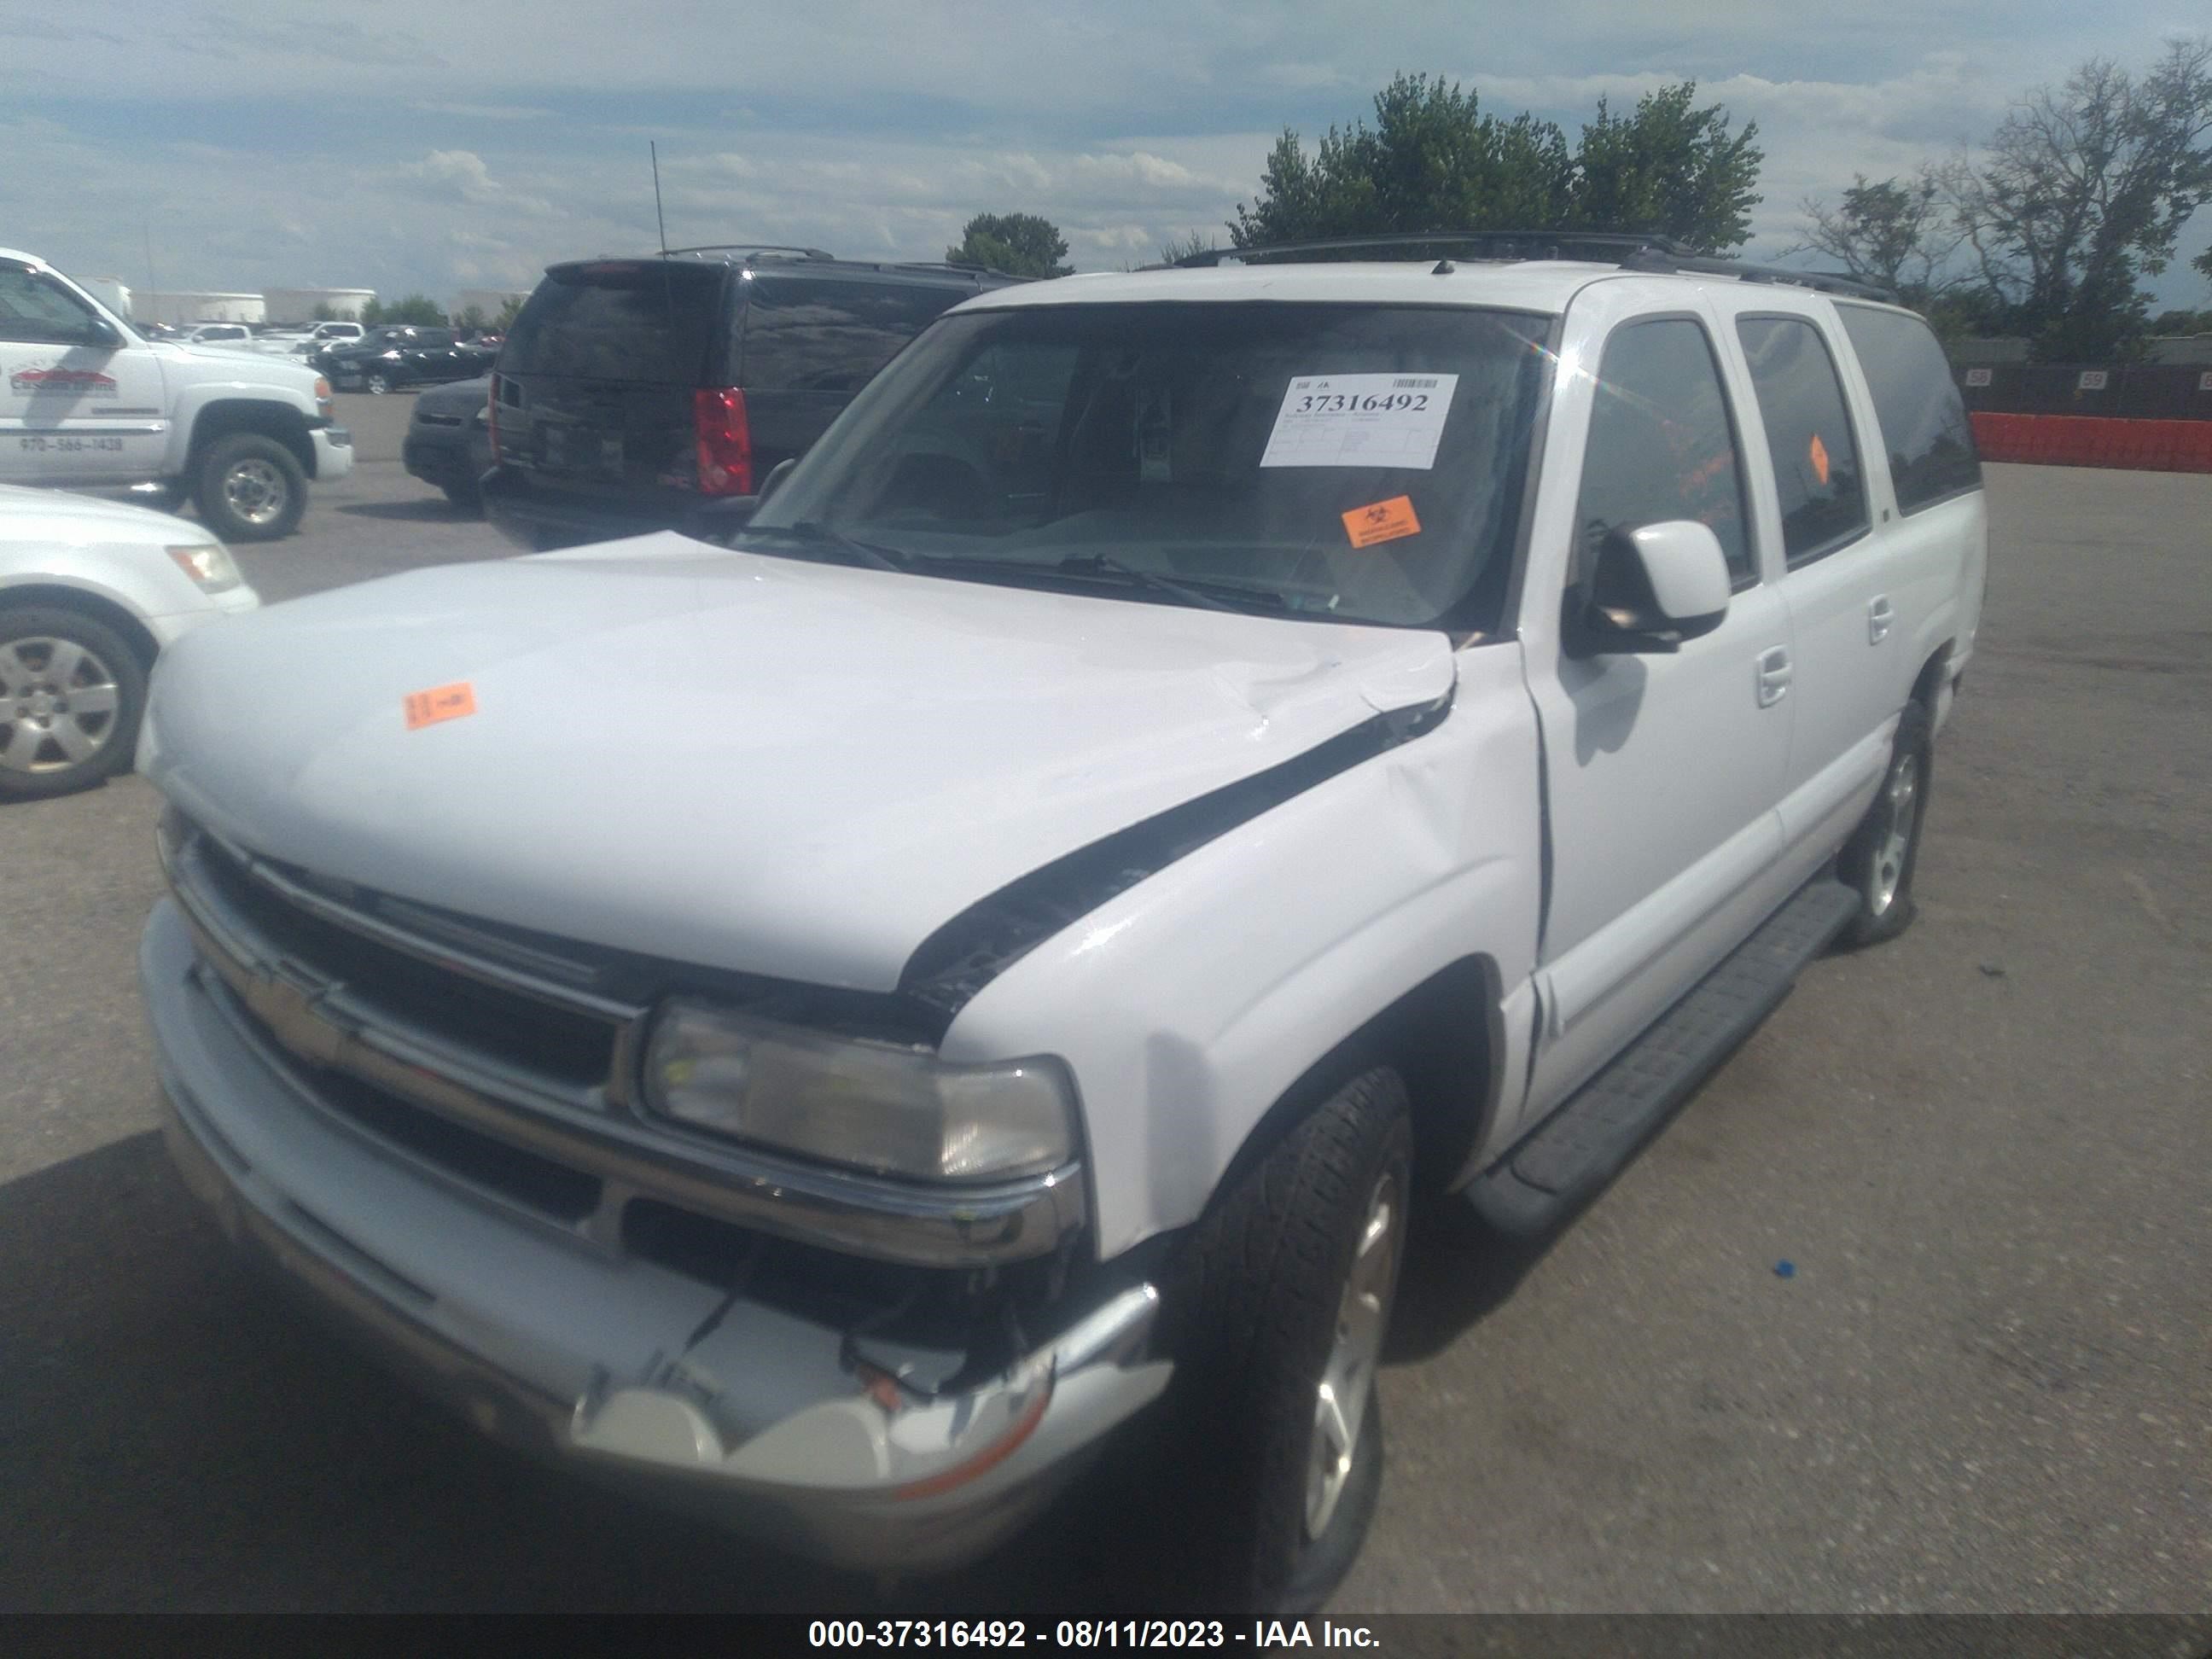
x=491 y=1058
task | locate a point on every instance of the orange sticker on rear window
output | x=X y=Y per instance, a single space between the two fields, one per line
x=441 y=703
x=1819 y=453
x=1384 y=521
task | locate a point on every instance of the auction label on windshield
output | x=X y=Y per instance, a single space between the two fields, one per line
x=1361 y=420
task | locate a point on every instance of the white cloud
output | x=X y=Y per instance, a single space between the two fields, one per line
x=877 y=128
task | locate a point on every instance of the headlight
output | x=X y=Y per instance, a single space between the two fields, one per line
x=872 y=1106
x=208 y=564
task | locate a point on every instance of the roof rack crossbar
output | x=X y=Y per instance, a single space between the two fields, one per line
x=755 y=247
x=1510 y=244
x=1631 y=250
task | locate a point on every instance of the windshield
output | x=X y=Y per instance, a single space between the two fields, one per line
x=1355 y=463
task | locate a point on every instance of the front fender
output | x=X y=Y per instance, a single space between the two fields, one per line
x=1186 y=1006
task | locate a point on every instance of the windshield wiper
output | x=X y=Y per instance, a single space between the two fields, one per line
x=1095 y=564
x=821 y=535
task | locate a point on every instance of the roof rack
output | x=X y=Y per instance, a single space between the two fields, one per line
x=754 y=247
x=965 y=267
x=1636 y=251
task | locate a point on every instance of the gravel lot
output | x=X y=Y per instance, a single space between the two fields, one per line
x=1988 y=1386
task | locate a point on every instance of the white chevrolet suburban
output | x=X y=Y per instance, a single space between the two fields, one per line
x=1191 y=765
x=86 y=403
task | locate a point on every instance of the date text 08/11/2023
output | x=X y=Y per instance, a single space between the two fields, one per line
x=1087 y=1633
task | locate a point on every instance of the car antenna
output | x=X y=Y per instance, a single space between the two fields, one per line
x=661 y=219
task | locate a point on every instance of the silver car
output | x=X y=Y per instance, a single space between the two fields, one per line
x=90 y=592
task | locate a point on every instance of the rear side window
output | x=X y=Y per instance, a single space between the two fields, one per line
x=1923 y=419
x=803 y=334
x=642 y=321
x=1809 y=433
x=1661 y=445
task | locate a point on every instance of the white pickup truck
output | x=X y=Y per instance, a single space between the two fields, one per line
x=86 y=403
x=1190 y=766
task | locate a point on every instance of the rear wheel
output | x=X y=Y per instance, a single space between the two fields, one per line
x=1883 y=852
x=378 y=382
x=250 y=489
x=71 y=694
x=1276 y=1315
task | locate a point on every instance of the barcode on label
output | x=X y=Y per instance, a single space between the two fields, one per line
x=1412 y=385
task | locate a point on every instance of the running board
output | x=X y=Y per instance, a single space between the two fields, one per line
x=1572 y=1153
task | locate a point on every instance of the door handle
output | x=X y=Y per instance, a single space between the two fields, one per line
x=1879 y=617
x=1773 y=676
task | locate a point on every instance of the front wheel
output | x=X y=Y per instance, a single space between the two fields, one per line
x=379 y=383
x=71 y=694
x=1883 y=852
x=1276 y=1315
x=251 y=489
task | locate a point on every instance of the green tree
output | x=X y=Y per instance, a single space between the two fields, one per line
x=509 y=309
x=1188 y=247
x=371 y=313
x=325 y=312
x=1670 y=169
x=1898 y=232
x=2182 y=322
x=2084 y=190
x=1019 y=244
x=416 y=309
x=1435 y=160
x=468 y=318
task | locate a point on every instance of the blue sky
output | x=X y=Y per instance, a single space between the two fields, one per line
x=404 y=144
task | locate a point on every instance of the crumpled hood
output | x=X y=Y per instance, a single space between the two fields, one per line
x=738 y=761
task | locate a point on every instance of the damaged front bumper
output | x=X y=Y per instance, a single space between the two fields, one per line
x=617 y=1365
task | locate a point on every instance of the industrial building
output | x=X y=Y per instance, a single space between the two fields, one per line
x=299 y=305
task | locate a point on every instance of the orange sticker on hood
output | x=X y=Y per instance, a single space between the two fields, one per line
x=440 y=702
x=1383 y=521
x=1819 y=453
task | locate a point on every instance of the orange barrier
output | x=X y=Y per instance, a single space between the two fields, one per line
x=2095 y=440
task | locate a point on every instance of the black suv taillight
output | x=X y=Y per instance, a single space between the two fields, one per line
x=726 y=443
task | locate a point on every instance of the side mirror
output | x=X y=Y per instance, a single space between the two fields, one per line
x=100 y=335
x=1653 y=587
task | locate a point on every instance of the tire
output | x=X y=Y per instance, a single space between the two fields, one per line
x=71 y=729
x=1880 y=859
x=377 y=383
x=1275 y=1312
x=250 y=489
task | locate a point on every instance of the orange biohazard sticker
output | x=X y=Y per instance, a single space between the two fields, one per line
x=1819 y=453
x=440 y=702
x=1384 y=521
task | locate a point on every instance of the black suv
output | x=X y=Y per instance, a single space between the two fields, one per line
x=631 y=391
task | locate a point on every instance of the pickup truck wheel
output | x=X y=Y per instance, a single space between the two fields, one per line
x=71 y=693
x=378 y=382
x=1276 y=1315
x=1879 y=859
x=250 y=489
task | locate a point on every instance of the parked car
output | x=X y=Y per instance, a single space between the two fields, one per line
x=85 y=402
x=237 y=334
x=90 y=591
x=630 y=391
x=1190 y=767
x=390 y=358
x=449 y=440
